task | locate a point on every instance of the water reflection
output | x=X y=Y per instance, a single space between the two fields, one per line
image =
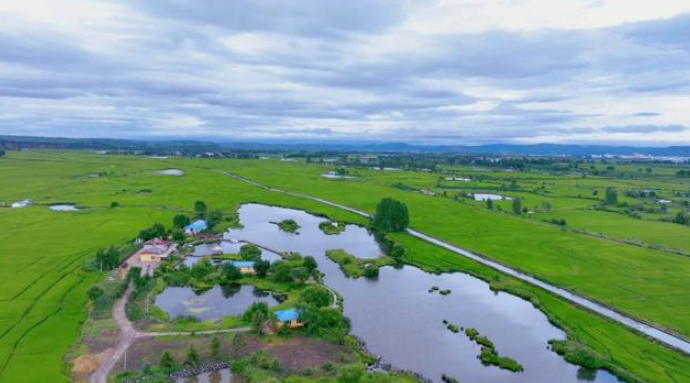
x=400 y=320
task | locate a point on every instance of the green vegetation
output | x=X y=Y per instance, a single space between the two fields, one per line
x=391 y=215
x=331 y=228
x=629 y=255
x=356 y=267
x=288 y=225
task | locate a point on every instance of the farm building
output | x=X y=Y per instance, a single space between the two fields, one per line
x=245 y=267
x=155 y=250
x=196 y=227
x=289 y=317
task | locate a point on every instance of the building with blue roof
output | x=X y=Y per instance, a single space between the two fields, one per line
x=246 y=267
x=289 y=317
x=196 y=227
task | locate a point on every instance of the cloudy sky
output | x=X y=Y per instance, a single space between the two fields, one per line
x=419 y=71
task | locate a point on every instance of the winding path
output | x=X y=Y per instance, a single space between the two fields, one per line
x=675 y=341
x=128 y=334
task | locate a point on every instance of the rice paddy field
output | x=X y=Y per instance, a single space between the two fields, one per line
x=636 y=265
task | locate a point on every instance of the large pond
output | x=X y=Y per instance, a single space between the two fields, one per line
x=401 y=321
x=212 y=304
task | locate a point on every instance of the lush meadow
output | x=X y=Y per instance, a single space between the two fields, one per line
x=43 y=286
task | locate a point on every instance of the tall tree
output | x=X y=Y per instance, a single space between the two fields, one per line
x=181 y=220
x=517 y=205
x=2 y=152
x=391 y=215
x=200 y=209
x=611 y=196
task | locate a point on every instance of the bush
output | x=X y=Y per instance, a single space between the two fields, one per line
x=317 y=296
x=250 y=252
x=371 y=271
x=231 y=272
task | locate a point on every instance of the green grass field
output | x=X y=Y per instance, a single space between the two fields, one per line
x=42 y=285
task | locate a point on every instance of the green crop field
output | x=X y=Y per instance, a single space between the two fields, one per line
x=42 y=284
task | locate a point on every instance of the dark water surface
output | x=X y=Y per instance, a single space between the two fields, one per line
x=213 y=304
x=401 y=321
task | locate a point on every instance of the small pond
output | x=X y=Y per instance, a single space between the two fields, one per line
x=171 y=172
x=401 y=321
x=334 y=175
x=223 y=247
x=21 y=204
x=493 y=197
x=213 y=304
x=63 y=207
x=220 y=376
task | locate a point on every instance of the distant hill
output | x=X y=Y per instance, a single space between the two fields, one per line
x=211 y=145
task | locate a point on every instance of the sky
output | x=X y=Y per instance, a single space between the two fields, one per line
x=456 y=72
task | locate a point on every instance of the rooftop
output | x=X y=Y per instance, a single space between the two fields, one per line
x=287 y=315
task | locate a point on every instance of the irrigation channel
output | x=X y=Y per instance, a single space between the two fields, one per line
x=402 y=321
x=652 y=331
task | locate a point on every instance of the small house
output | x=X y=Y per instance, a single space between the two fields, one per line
x=156 y=250
x=245 y=267
x=196 y=227
x=288 y=318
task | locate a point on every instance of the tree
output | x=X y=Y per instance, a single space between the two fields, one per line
x=231 y=272
x=517 y=205
x=391 y=215
x=250 y=252
x=2 y=152
x=180 y=221
x=682 y=218
x=114 y=204
x=261 y=267
x=178 y=235
x=192 y=356
x=371 y=271
x=107 y=258
x=214 y=217
x=215 y=347
x=95 y=292
x=317 y=296
x=299 y=274
x=201 y=268
x=489 y=203
x=310 y=263
x=167 y=361
x=200 y=209
x=155 y=231
x=611 y=197
x=281 y=271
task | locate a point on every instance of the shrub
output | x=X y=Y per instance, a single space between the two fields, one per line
x=317 y=296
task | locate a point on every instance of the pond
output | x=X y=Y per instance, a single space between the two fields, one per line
x=213 y=304
x=223 y=247
x=334 y=175
x=493 y=197
x=397 y=317
x=220 y=376
x=463 y=179
x=171 y=172
x=63 y=207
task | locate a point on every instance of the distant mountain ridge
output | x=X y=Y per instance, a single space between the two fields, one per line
x=210 y=145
